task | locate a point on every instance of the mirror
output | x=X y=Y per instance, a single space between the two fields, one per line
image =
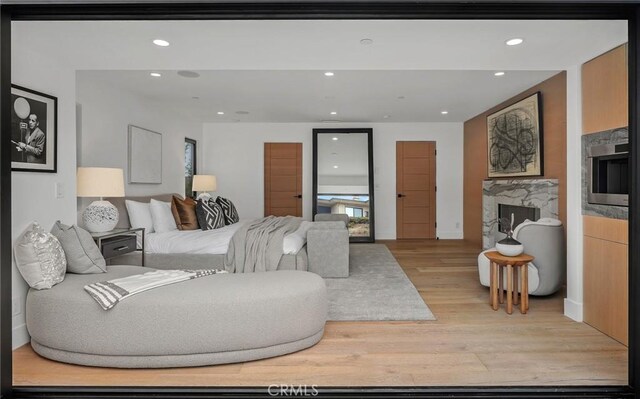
x=343 y=178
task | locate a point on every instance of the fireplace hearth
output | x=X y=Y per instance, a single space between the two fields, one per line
x=540 y=194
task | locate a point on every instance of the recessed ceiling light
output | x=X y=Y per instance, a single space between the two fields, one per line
x=444 y=112
x=155 y=74
x=499 y=73
x=161 y=43
x=366 y=42
x=335 y=166
x=328 y=74
x=335 y=139
x=334 y=113
x=189 y=74
x=220 y=113
x=514 y=42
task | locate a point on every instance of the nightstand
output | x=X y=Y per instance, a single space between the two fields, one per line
x=119 y=242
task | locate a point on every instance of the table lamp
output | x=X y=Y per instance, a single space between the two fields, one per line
x=101 y=215
x=204 y=184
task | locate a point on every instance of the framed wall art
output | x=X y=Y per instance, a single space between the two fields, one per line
x=515 y=139
x=145 y=156
x=33 y=131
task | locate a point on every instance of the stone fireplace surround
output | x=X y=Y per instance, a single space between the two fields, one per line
x=534 y=193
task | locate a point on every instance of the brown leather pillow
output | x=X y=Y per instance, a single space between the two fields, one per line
x=184 y=212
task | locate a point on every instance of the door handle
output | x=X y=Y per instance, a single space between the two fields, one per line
x=297 y=196
x=401 y=195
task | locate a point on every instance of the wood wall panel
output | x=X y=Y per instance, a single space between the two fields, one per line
x=554 y=121
x=606 y=293
x=605 y=92
x=615 y=230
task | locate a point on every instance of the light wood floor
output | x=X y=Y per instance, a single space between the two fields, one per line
x=469 y=344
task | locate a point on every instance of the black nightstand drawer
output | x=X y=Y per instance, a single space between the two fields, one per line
x=118 y=246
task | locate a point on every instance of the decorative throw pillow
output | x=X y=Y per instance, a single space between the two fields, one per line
x=184 y=213
x=210 y=214
x=230 y=212
x=139 y=215
x=82 y=253
x=40 y=258
x=162 y=216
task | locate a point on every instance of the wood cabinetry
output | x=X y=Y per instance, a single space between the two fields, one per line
x=606 y=291
x=605 y=91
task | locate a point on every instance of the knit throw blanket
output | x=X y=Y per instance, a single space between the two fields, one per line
x=257 y=246
x=109 y=293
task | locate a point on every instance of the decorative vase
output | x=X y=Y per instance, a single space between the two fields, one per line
x=510 y=246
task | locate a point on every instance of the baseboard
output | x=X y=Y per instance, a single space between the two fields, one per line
x=20 y=336
x=449 y=235
x=573 y=310
x=443 y=235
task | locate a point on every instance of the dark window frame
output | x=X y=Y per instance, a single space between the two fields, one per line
x=348 y=10
x=194 y=163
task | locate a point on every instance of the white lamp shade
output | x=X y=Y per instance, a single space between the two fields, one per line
x=100 y=182
x=204 y=183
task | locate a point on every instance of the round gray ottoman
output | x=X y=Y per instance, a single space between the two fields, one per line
x=224 y=318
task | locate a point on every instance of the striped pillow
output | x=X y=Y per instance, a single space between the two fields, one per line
x=230 y=212
x=210 y=214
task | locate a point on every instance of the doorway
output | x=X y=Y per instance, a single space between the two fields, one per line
x=283 y=179
x=416 y=189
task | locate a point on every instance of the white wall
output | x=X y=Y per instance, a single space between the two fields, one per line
x=33 y=194
x=234 y=152
x=106 y=114
x=573 y=302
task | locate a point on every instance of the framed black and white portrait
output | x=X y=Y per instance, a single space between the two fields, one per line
x=33 y=131
x=515 y=139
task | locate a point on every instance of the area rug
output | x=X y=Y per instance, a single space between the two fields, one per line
x=377 y=289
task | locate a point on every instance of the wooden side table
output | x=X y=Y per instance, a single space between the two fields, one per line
x=496 y=291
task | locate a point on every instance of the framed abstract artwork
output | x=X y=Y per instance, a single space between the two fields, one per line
x=515 y=139
x=33 y=131
x=145 y=156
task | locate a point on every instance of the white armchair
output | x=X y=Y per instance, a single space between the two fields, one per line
x=543 y=239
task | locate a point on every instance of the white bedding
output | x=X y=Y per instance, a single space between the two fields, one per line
x=215 y=241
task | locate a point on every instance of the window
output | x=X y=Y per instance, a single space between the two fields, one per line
x=354 y=212
x=189 y=166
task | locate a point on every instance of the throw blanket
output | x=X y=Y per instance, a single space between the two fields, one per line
x=109 y=293
x=257 y=246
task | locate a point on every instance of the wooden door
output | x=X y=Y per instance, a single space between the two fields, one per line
x=283 y=179
x=416 y=189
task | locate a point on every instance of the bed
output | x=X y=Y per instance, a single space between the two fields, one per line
x=198 y=249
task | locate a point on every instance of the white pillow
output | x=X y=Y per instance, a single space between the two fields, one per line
x=139 y=215
x=40 y=258
x=162 y=216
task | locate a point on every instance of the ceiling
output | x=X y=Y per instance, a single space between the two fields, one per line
x=274 y=69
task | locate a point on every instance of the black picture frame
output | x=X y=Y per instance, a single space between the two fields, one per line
x=528 y=109
x=372 y=219
x=33 y=150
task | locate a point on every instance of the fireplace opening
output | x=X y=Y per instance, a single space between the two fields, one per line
x=520 y=213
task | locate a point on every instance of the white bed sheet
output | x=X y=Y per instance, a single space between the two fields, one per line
x=215 y=242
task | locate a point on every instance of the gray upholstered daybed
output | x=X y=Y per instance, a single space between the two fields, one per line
x=223 y=318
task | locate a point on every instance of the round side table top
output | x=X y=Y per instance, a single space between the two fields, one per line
x=500 y=259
